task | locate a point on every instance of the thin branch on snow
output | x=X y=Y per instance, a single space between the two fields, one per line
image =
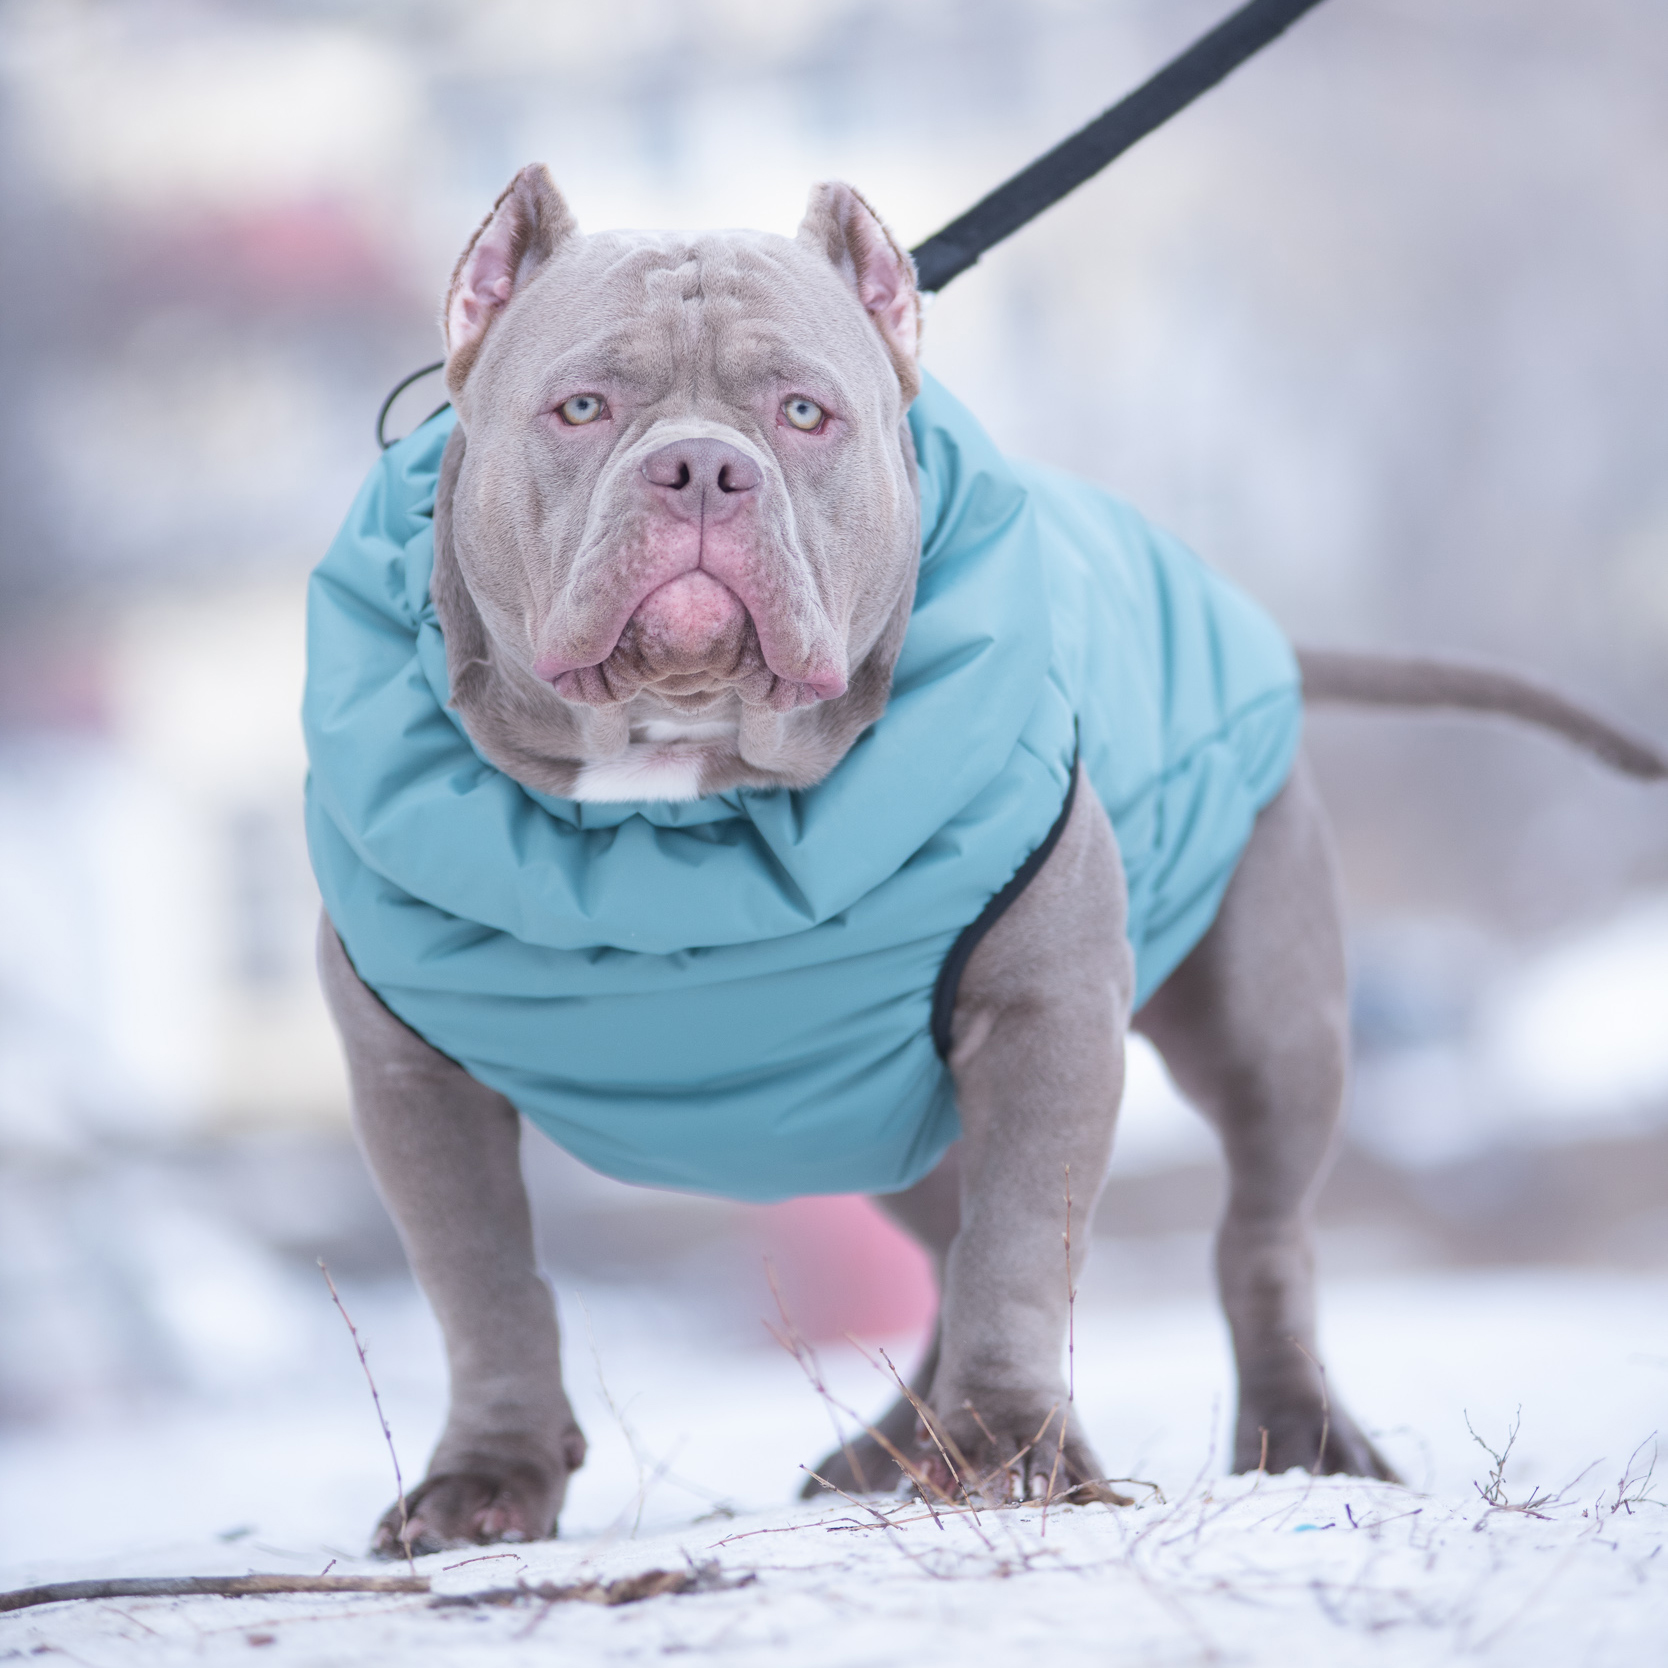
x=1071 y=1308
x=382 y=1418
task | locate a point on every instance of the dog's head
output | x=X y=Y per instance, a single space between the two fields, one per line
x=677 y=526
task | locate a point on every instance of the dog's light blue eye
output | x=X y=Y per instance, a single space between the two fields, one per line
x=582 y=408
x=802 y=413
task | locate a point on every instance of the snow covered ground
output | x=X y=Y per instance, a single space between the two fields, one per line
x=696 y=1448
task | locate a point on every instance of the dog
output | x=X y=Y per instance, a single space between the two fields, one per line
x=721 y=755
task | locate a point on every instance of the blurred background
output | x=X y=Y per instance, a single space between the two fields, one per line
x=1380 y=327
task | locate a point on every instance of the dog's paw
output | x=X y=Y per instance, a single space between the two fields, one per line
x=1007 y=1451
x=479 y=1506
x=1325 y=1441
x=468 y=1508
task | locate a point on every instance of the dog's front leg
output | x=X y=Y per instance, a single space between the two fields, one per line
x=445 y=1152
x=1037 y=1055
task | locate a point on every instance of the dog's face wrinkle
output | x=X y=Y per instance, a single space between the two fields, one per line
x=562 y=556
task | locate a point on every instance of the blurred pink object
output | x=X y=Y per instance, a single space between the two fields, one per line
x=841 y=1266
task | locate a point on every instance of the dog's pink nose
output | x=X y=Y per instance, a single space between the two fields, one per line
x=702 y=477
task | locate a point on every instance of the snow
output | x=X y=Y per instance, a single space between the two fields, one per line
x=1582 y=1033
x=696 y=1448
x=1491 y=1053
x=1157 y=1129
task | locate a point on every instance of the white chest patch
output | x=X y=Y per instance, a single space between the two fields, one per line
x=663 y=762
x=641 y=773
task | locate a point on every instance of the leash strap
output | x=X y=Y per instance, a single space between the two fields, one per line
x=950 y=252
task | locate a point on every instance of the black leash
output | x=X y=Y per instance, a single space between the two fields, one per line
x=950 y=252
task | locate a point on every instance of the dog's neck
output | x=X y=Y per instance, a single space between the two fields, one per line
x=665 y=758
x=641 y=749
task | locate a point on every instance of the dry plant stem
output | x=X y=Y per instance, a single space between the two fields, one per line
x=814 y=1373
x=643 y=1482
x=1071 y=1308
x=646 y=1478
x=537 y=1617
x=1042 y=1431
x=1495 y=1490
x=882 y=1521
x=807 y=1359
x=1326 y=1404
x=790 y=1338
x=1187 y=1493
x=1494 y=1493
x=989 y=1436
x=931 y=1426
x=801 y=1528
x=128 y=1616
x=1634 y=1490
x=978 y=1419
x=958 y=1465
x=483 y=1558
x=1060 y=1446
x=382 y=1418
x=214 y=1586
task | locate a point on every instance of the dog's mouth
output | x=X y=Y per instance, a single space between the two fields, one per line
x=690 y=641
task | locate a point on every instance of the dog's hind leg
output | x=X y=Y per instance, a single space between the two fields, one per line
x=1254 y=1027
x=445 y=1152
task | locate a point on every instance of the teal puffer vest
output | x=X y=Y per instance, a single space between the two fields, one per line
x=734 y=995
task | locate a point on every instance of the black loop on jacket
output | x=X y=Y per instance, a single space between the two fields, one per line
x=395 y=392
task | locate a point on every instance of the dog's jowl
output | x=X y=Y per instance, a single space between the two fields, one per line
x=725 y=759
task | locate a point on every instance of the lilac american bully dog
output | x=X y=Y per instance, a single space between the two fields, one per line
x=726 y=759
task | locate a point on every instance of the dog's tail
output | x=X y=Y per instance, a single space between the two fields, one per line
x=1386 y=680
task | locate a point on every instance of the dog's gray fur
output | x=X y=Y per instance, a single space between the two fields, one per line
x=580 y=635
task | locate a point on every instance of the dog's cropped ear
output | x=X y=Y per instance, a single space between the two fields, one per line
x=527 y=225
x=839 y=224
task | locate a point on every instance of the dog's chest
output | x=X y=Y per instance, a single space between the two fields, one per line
x=663 y=761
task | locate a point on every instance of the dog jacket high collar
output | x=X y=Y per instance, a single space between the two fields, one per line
x=733 y=995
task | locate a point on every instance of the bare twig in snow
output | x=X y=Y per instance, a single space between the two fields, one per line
x=790 y=1338
x=1494 y=1491
x=957 y=1463
x=1326 y=1405
x=647 y=1476
x=1633 y=1488
x=218 y=1586
x=382 y=1418
x=928 y=1423
x=882 y=1521
x=1060 y=1446
x=1071 y=1306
